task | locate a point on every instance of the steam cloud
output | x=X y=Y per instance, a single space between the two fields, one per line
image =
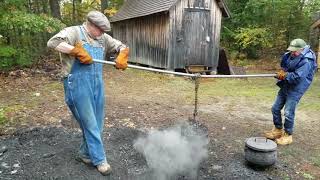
x=172 y=152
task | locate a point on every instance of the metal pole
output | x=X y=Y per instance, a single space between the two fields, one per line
x=146 y=69
x=186 y=74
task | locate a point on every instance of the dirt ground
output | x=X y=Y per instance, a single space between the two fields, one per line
x=39 y=140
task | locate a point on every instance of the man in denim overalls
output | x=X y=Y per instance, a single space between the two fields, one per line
x=298 y=68
x=83 y=80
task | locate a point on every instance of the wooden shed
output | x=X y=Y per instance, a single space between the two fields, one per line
x=171 y=34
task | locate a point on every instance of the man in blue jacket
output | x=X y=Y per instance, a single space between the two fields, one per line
x=298 y=68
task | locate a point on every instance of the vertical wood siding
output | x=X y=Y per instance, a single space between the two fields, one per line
x=147 y=38
x=216 y=15
x=163 y=40
x=177 y=45
x=195 y=27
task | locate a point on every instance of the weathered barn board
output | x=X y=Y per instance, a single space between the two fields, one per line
x=171 y=34
x=149 y=43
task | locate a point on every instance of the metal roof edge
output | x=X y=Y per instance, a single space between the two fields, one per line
x=222 y=5
x=148 y=14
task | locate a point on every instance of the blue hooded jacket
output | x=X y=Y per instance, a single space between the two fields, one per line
x=300 y=71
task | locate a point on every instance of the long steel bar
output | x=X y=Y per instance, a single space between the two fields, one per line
x=186 y=74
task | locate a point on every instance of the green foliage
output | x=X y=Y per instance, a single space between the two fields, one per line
x=116 y=4
x=12 y=5
x=25 y=22
x=250 y=40
x=6 y=55
x=72 y=16
x=7 y=51
x=280 y=21
x=25 y=27
x=75 y=16
x=24 y=36
x=11 y=57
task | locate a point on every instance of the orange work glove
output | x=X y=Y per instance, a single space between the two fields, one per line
x=281 y=75
x=79 y=52
x=122 y=59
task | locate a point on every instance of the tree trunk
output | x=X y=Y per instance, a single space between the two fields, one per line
x=302 y=4
x=44 y=6
x=29 y=6
x=55 y=9
x=104 y=5
x=37 y=7
x=73 y=11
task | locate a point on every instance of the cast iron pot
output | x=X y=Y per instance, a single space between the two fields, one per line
x=260 y=151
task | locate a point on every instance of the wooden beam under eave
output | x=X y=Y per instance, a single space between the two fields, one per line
x=316 y=24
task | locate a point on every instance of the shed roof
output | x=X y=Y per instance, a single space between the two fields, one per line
x=138 y=8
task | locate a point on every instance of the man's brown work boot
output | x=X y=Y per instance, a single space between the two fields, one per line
x=275 y=133
x=285 y=139
x=104 y=168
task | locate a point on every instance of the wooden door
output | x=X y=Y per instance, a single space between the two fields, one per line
x=196 y=36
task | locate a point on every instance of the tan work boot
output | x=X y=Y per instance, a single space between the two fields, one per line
x=285 y=139
x=275 y=133
x=104 y=168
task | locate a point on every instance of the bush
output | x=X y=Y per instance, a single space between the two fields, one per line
x=23 y=37
x=7 y=54
x=10 y=58
x=251 y=40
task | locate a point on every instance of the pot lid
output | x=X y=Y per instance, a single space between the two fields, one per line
x=261 y=144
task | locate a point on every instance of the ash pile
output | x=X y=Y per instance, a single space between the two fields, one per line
x=50 y=152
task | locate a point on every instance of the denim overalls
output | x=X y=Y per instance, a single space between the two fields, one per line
x=84 y=94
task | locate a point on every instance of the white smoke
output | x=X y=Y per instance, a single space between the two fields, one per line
x=175 y=151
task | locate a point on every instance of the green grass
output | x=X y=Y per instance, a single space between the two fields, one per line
x=8 y=109
x=251 y=90
x=316 y=160
x=3 y=118
x=290 y=152
x=311 y=100
x=52 y=86
x=307 y=176
x=256 y=90
x=5 y=110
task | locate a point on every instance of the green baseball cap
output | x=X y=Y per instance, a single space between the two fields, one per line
x=296 y=44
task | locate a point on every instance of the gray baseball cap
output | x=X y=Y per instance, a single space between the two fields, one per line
x=100 y=20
